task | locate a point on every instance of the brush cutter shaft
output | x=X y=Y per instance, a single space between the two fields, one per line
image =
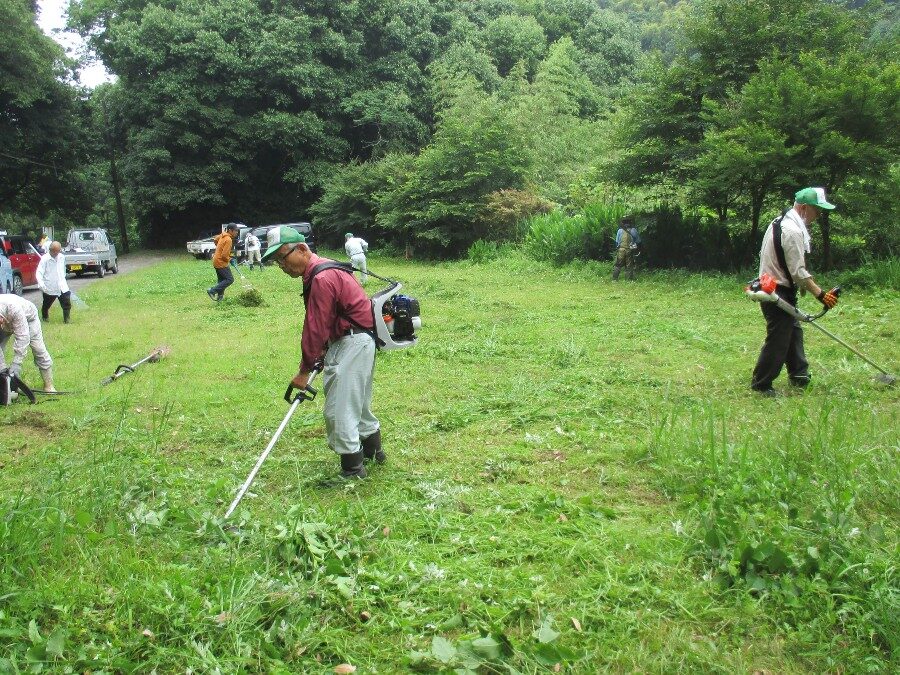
x=262 y=458
x=855 y=351
x=762 y=296
x=153 y=356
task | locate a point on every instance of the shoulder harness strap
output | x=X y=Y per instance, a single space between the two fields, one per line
x=779 y=249
x=349 y=269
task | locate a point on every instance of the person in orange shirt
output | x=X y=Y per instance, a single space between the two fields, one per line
x=221 y=262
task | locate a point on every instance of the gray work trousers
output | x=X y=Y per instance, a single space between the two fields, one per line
x=347 y=382
x=359 y=262
x=38 y=349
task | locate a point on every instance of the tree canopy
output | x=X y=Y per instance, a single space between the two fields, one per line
x=409 y=118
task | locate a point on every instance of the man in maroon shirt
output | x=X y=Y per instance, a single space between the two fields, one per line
x=338 y=331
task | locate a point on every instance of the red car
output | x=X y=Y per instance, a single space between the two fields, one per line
x=24 y=258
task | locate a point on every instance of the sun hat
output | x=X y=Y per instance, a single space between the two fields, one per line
x=279 y=236
x=813 y=197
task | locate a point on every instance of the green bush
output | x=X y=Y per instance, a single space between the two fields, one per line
x=483 y=251
x=505 y=210
x=560 y=238
x=875 y=274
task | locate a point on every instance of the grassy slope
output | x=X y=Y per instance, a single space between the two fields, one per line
x=547 y=439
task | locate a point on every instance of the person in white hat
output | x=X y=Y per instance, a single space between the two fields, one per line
x=783 y=257
x=356 y=248
x=51 y=279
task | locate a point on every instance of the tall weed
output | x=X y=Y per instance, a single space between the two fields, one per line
x=874 y=274
x=559 y=238
x=789 y=515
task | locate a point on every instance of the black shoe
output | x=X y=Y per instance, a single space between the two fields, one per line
x=371 y=448
x=801 y=382
x=212 y=295
x=352 y=466
x=768 y=393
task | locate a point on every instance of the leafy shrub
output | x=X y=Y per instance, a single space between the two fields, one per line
x=505 y=209
x=475 y=151
x=876 y=274
x=672 y=238
x=350 y=200
x=561 y=238
x=483 y=251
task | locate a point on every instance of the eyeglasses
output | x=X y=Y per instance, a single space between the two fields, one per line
x=280 y=260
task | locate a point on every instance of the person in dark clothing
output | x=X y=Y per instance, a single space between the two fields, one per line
x=222 y=262
x=782 y=257
x=627 y=241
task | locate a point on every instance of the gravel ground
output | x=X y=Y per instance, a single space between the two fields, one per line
x=127 y=263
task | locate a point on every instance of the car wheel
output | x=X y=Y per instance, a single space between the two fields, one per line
x=115 y=267
x=17 y=285
x=101 y=271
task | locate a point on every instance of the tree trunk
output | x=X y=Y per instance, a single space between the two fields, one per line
x=120 y=212
x=756 y=203
x=825 y=225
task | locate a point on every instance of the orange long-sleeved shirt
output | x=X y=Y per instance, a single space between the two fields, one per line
x=222 y=256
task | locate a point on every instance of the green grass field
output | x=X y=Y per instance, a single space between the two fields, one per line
x=579 y=480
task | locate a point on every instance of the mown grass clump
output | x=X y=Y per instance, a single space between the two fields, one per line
x=577 y=474
x=250 y=297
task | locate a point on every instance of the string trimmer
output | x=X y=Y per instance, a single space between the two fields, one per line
x=152 y=357
x=307 y=394
x=763 y=290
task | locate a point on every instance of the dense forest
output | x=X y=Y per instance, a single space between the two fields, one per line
x=433 y=127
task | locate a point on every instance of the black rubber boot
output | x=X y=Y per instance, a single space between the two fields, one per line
x=66 y=313
x=352 y=466
x=371 y=448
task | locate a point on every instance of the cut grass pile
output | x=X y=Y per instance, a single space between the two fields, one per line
x=577 y=475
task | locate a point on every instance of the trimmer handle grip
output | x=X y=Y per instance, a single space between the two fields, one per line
x=306 y=394
x=837 y=291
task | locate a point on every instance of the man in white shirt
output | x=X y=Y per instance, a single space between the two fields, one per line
x=253 y=253
x=51 y=279
x=782 y=256
x=19 y=320
x=356 y=248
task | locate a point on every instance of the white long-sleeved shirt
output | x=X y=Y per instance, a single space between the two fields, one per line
x=51 y=274
x=355 y=246
x=15 y=313
x=796 y=243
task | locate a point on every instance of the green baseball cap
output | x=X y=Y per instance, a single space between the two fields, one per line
x=279 y=236
x=813 y=197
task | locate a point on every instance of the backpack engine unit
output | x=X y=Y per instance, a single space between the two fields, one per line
x=397 y=317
